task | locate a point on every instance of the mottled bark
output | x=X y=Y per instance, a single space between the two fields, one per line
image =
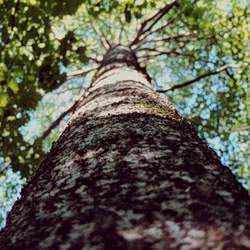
x=129 y=173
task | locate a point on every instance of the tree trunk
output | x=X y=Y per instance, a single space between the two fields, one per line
x=129 y=173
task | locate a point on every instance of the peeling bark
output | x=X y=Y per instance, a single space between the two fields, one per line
x=129 y=173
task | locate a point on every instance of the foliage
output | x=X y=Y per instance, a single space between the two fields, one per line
x=10 y=187
x=43 y=43
x=31 y=60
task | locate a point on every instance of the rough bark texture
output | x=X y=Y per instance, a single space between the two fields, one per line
x=129 y=173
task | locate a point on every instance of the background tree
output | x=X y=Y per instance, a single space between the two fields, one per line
x=197 y=52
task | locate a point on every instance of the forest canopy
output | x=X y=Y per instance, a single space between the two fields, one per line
x=197 y=53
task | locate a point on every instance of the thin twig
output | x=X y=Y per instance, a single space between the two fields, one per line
x=108 y=36
x=143 y=41
x=242 y=128
x=192 y=37
x=95 y=60
x=165 y=10
x=79 y=73
x=155 y=18
x=4 y=167
x=66 y=90
x=189 y=82
x=140 y=41
x=121 y=31
x=61 y=117
x=102 y=38
x=57 y=122
x=160 y=53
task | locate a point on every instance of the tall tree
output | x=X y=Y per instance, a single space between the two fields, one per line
x=129 y=173
x=201 y=44
x=196 y=51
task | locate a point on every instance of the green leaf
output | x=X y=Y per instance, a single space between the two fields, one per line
x=4 y=99
x=13 y=86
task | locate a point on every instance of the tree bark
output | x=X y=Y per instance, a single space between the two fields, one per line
x=129 y=173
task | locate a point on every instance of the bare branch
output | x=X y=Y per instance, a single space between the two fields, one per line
x=4 y=167
x=107 y=35
x=179 y=37
x=150 y=49
x=173 y=52
x=66 y=112
x=69 y=110
x=142 y=39
x=57 y=122
x=187 y=83
x=145 y=60
x=154 y=19
x=95 y=60
x=165 y=10
x=103 y=39
x=67 y=89
x=160 y=53
x=166 y=39
x=119 y=39
x=79 y=73
x=161 y=27
x=242 y=128
x=148 y=31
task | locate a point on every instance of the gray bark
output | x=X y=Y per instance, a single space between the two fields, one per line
x=129 y=173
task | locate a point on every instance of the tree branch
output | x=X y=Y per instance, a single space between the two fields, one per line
x=66 y=112
x=103 y=39
x=119 y=38
x=160 y=53
x=67 y=89
x=169 y=38
x=95 y=60
x=56 y=122
x=108 y=24
x=242 y=128
x=141 y=40
x=155 y=18
x=79 y=73
x=4 y=167
x=176 y=38
x=187 y=83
